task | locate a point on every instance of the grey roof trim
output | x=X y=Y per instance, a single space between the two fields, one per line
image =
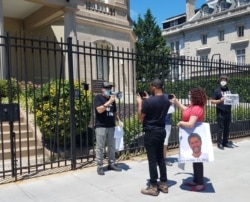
x=240 y=11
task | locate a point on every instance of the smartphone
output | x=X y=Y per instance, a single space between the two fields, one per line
x=142 y=94
x=170 y=96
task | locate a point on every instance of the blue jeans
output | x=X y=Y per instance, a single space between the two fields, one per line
x=153 y=142
x=103 y=134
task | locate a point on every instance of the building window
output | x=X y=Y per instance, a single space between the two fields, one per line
x=221 y=35
x=243 y=2
x=223 y=5
x=174 y=63
x=172 y=47
x=102 y=62
x=240 y=31
x=204 y=61
x=203 y=39
x=204 y=58
x=207 y=9
x=240 y=56
x=175 y=47
x=173 y=23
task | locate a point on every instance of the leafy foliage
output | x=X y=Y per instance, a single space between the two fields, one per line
x=151 y=49
x=9 y=88
x=132 y=127
x=52 y=111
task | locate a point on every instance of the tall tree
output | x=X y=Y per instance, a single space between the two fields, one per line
x=151 y=48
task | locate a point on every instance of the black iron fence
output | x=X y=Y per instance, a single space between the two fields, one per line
x=49 y=85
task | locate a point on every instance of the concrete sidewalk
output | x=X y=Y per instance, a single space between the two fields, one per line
x=227 y=179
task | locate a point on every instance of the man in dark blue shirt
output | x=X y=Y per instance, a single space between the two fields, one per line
x=223 y=112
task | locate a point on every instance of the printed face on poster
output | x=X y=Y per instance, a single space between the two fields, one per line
x=196 y=144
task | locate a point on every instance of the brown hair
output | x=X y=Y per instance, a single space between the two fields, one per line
x=198 y=96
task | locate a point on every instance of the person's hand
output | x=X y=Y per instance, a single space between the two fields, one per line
x=120 y=123
x=222 y=99
x=179 y=124
x=138 y=98
x=147 y=95
x=112 y=99
x=174 y=99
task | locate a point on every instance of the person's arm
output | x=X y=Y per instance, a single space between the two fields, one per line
x=188 y=124
x=213 y=101
x=216 y=97
x=178 y=104
x=117 y=118
x=139 y=107
x=100 y=109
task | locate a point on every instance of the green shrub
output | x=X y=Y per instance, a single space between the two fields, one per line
x=52 y=111
x=240 y=113
x=28 y=88
x=9 y=88
x=210 y=116
x=132 y=127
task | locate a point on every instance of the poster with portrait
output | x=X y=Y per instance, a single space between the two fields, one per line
x=196 y=144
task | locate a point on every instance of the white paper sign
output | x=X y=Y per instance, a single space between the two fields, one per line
x=231 y=99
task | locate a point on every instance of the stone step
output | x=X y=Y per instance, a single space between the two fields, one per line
x=23 y=134
x=6 y=127
x=25 y=162
x=23 y=143
x=25 y=152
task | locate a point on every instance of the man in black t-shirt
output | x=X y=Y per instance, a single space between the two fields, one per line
x=223 y=112
x=152 y=112
x=105 y=117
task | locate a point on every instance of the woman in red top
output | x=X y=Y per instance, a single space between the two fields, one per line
x=190 y=115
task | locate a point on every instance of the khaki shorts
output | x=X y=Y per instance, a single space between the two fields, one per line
x=168 y=131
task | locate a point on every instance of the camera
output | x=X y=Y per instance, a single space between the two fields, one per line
x=117 y=94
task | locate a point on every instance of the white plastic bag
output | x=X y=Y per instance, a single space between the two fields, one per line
x=118 y=135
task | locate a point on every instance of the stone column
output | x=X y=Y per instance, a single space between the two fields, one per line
x=2 y=63
x=70 y=31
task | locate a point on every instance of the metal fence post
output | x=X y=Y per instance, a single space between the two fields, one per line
x=72 y=104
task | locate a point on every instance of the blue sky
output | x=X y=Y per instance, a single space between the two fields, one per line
x=161 y=9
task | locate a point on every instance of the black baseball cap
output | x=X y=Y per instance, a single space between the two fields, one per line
x=107 y=84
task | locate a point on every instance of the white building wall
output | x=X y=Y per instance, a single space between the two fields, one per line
x=191 y=34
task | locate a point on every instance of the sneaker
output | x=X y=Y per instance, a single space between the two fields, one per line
x=198 y=188
x=220 y=146
x=114 y=167
x=228 y=145
x=168 y=163
x=163 y=187
x=100 y=171
x=151 y=190
x=190 y=184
